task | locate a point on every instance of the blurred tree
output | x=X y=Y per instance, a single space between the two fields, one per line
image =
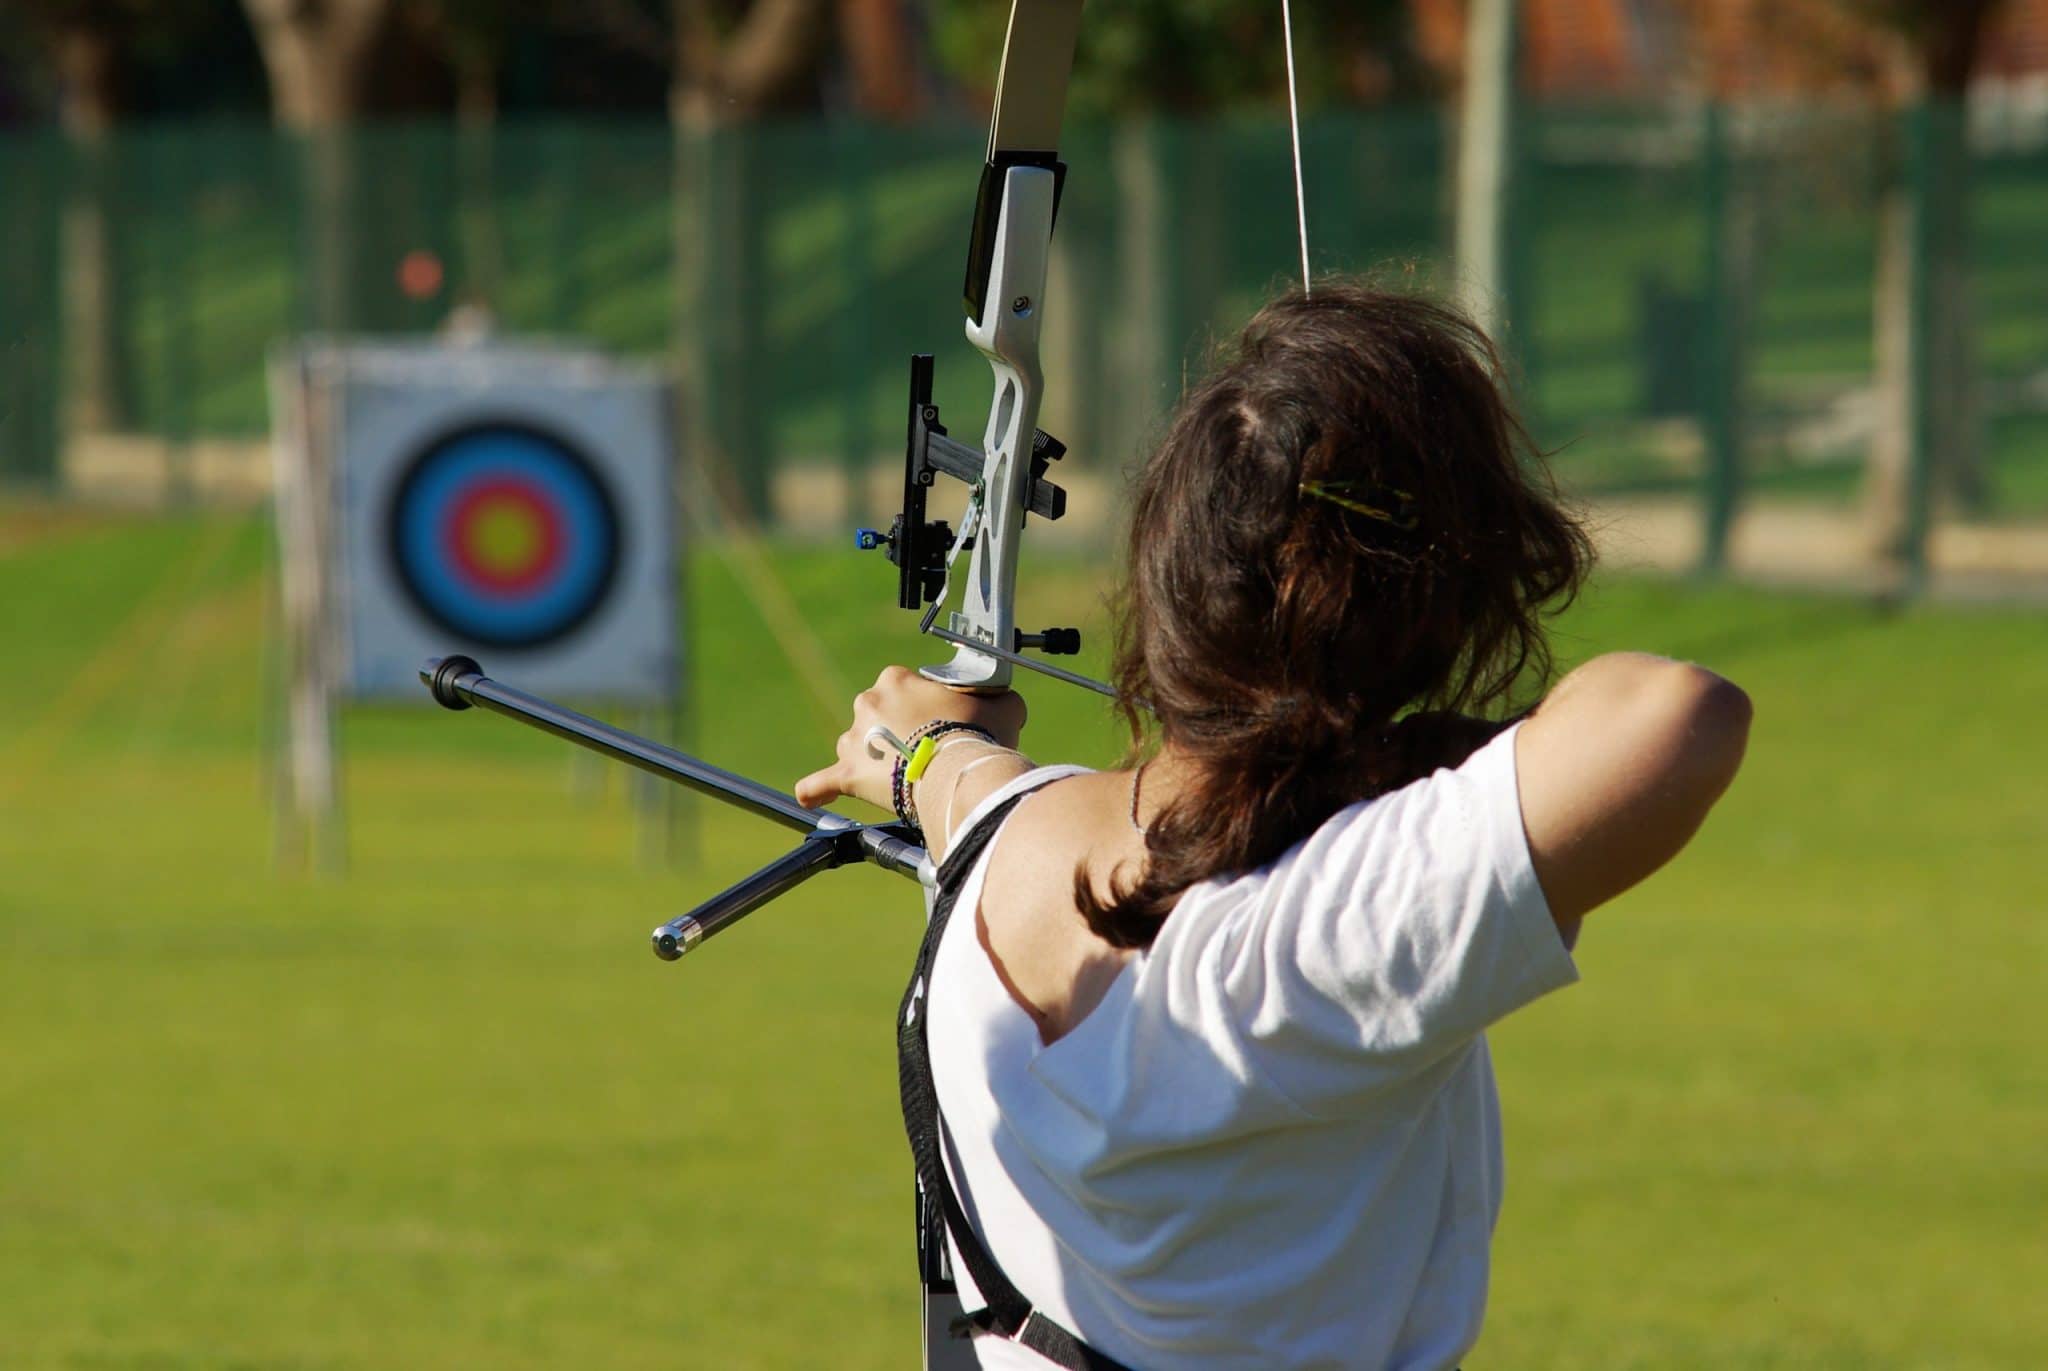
x=1916 y=57
x=880 y=48
x=474 y=37
x=735 y=60
x=1926 y=331
x=314 y=52
x=1486 y=159
x=1183 y=56
x=89 y=46
x=1738 y=214
x=86 y=44
x=739 y=61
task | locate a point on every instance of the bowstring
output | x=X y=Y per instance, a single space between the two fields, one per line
x=1294 y=136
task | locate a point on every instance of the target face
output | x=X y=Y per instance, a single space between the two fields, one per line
x=504 y=535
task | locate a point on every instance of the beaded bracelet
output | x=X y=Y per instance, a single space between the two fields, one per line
x=915 y=755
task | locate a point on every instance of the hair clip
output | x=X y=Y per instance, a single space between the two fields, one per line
x=1401 y=516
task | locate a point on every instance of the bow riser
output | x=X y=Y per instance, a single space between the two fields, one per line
x=1007 y=334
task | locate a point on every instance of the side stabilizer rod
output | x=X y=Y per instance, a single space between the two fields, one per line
x=780 y=876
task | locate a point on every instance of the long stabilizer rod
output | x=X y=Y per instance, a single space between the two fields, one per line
x=459 y=682
x=830 y=839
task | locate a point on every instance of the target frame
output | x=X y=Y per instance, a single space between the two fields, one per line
x=389 y=401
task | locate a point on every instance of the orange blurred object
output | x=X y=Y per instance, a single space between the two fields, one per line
x=420 y=274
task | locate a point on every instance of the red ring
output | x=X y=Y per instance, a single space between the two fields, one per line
x=457 y=528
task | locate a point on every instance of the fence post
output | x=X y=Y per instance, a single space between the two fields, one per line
x=31 y=309
x=564 y=162
x=855 y=310
x=729 y=308
x=1486 y=159
x=1144 y=222
x=1171 y=136
x=1721 y=393
x=181 y=310
x=1919 y=407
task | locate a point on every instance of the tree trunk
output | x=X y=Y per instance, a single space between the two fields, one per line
x=476 y=119
x=314 y=67
x=1926 y=336
x=719 y=334
x=1144 y=215
x=720 y=80
x=881 y=59
x=1926 y=347
x=1737 y=232
x=1952 y=358
x=313 y=55
x=95 y=364
x=1080 y=388
x=761 y=65
x=1486 y=160
x=1897 y=451
x=1194 y=250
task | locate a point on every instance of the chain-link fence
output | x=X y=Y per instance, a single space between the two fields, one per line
x=1696 y=299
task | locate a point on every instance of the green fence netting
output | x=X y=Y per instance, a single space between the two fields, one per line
x=1690 y=299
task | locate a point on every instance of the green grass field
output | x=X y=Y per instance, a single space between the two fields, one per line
x=446 y=1111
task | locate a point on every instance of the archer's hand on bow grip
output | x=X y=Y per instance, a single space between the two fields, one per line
x=902 y=702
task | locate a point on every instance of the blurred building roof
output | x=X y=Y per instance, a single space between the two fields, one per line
x=2018 y=45
x=1596 y=48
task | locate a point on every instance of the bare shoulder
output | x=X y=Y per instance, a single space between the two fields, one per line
x=1053 y=966
x=1070 y=805
x=1058 y=826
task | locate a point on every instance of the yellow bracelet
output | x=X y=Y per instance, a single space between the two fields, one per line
x=920 y=758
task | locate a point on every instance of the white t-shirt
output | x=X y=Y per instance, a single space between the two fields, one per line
x=1275 y=1142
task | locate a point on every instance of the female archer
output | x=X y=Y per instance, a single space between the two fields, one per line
x=1207 y=1033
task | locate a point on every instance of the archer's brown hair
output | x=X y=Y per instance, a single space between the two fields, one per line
x=1345 y=525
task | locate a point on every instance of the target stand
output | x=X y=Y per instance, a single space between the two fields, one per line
x=500 y=498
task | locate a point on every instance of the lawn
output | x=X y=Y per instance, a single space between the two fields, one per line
x=446 y=1111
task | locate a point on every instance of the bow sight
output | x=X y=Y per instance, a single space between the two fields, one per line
x=923 y=550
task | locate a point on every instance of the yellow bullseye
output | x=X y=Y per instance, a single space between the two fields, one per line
x=506 y=536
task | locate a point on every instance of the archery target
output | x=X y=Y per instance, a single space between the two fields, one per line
x=504 y=535
x=510 y=503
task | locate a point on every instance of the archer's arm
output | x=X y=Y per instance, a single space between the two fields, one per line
x=965 y=773
x=1617 y=769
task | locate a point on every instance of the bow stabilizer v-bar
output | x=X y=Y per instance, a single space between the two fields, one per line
x=830 y=840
